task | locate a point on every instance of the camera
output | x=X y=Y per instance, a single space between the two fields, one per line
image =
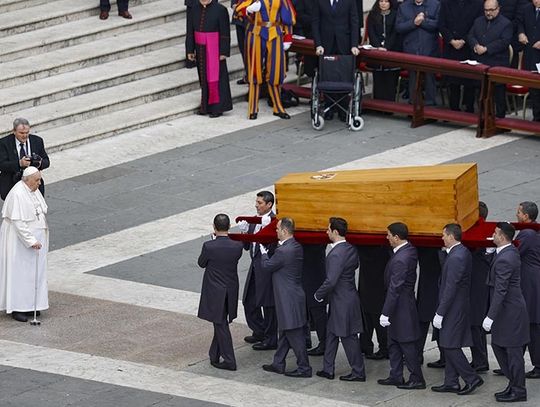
x=35 y=160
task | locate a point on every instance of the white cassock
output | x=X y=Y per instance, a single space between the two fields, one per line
x=23 y=224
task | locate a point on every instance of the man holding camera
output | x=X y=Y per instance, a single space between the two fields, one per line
x=18 y=151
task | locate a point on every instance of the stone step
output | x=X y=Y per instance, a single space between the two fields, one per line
x=11 y=5
x=86 y=30
x=112 y=99
x=50 y=13
x=90 y=54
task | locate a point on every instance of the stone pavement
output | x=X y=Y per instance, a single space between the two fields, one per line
x=128 y=216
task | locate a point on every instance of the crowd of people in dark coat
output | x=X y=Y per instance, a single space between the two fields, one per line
x=292 y=289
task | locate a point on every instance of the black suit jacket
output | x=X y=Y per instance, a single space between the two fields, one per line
x=399 y=304
x=507 y=309
x=455 y=21
x=339 y=287
x=337 y=31
x=9 y=161
x=529 y=250
x=479 y=297
x=454 y=299
x=373 y=261
x=496 y=38
x=527 y=24
x=219 y=293
x=313 y=271
x=285 y=267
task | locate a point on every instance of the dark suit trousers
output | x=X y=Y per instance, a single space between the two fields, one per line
x=351 y=345
x=254 y=317
x=397 y=351
x=430 y=88
x=105 y=5
x=371 y=323
x=295 y=339
x=457 y=365
x=534 y=95
x=513 y=366
x=222 y=344
x=270 y=326
x=241 y=37
x=534 y=346
x=455 y=96
x=318 y=319
x=479 y=349
x=421 y=343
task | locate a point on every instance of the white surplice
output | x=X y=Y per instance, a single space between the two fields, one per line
x=23 y=224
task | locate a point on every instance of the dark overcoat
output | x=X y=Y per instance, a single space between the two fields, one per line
x=455 y=21
x=422 y=39
x=529 y=251
x=336 y=30
x=495 y=36
x=528 y=25
x=479 y=298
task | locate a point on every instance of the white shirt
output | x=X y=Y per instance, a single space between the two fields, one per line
x=498 y=249
x=395 y=249
x=26 y=147
x=332 y=245
x=450 y=248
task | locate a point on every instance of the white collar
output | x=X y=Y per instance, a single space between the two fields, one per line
x=400 y=246
x=332 y=245
x=450 y=248
x=498 y=249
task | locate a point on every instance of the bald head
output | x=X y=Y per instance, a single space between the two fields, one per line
x=491 y=9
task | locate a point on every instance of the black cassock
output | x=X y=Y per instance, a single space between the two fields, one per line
x=209 y=27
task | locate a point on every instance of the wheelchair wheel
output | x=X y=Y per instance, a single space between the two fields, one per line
x=317 y=122
x=357 y=123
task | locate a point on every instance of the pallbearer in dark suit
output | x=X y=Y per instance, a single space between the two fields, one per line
x=345 y=315
x=219 y=293
x=529 y=250
x=507 y=316
x=285 y=267
x=399 y=311
x=452 y=316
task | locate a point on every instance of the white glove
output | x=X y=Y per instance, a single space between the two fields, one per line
x=437 y=321
x=319 y=50
x=263 y=249
x=243 y=226
x=213 y=236
x=355 y=51
x=487 y=324
x=286 y=46
x=254 y=7
x=383 y=321
x=265 y=220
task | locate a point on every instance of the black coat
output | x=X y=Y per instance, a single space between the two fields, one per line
x=285 y=267
x=219 y=293
x=337 y=31
x=422 y=39
x=454 y=294
x=529 y=251
x=382 y=31
x=399 y=304
x=304 y=11
x=497 y=39
x=313 y=271
x=339 y=287
x=507 y=308
x=9 y=161
x=373 y=260
x=427 y=297
x=527 y=24
x=455 y=21
x=479 y=297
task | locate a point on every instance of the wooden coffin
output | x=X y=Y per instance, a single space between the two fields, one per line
x=425 y=198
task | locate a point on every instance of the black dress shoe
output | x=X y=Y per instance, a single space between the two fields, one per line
x=446 y=389
x=297 y=373
x=214 y=115
x=377 y=355
x=511 y=397
x=282 y=115
x=352 y=378
x=125 y=14
x=409 y=385
x=223 y=365
x=469 y=388
x=19 y=316
x=271 y=368
x=533 y=374
x=504 y=392
x=104 y=15
x=390 y=382
x=498 y=372
x=326 y=375
x=439 y=364
x=253 y=116
x=318 y=351
x=264 y=346
x=253 y=338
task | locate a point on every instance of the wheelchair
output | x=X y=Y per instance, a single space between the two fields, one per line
x=336 y=80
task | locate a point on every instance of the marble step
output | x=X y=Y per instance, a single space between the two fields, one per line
x=11 y=5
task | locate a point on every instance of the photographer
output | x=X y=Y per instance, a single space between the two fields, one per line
x=18 y=151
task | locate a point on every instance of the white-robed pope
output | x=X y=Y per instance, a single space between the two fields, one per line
x=24 y=243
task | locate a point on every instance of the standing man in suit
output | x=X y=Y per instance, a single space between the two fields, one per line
x=219 y=293
x=452 y=316
x=489 y=39
x=507 y=315
x=528 y=28
x=399 y=311
x=285 y=268
x=105 y=7
x=345 y=315
x=258 y=293
x=20 y=150
x=529 y=251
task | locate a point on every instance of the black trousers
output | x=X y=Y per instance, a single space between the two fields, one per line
x=454 y=96
x=385 y=84
x=430 y=88
x=318 y=319
x=456 y=366
x=479 y=349
x=534 y=95
x=421 y=343
x=270 y=326
x=499 y=97
x=408 y=351
x=253 y=312
x=241 y=37
x=105 y=5
x=371 y=323
x=534 y=346
x=292 y=338
x=513 y=366
x=351 y=345
x=222 y=345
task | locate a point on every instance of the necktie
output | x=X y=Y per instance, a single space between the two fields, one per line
x=537 y=12
x=22 y=153
x=334 y=4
